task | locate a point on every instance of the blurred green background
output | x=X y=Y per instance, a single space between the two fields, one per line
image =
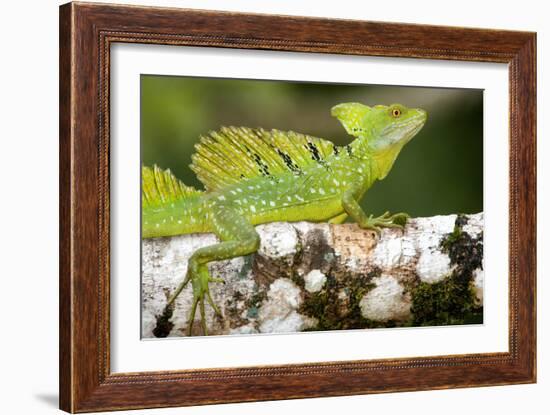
x=439 y=172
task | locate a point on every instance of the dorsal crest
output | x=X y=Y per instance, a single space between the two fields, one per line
x=235 y=154
x=161 y=186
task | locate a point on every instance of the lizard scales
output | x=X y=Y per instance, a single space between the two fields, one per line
x=254 y=176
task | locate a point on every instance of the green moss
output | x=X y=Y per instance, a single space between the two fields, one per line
x=401 y=220
x=464 y=251
x=451 y=238
x=164 y=325
x=253 y=303
x=335 y=311
x=298 y=280
x=256 y=299
x=452 y=300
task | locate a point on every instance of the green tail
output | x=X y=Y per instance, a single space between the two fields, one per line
x=169 y=207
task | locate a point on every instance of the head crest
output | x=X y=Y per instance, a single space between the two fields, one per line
x=352 y=116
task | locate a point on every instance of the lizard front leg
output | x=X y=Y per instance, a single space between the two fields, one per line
x=353 y=209
x=238 y=238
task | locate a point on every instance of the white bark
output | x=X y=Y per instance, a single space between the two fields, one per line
x=300 y=265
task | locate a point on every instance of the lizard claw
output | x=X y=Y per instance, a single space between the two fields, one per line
x=386 y=220
x=371 y=225
x=199 y=277
x=212 y=304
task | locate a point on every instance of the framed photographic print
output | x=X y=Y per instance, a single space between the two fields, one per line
x=261 y=207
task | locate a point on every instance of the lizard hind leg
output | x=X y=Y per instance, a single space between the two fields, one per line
x=337 y=220
x=238 y=238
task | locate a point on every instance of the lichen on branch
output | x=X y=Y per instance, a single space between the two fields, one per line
x=318 y=276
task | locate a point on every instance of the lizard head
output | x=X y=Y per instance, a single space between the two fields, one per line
x=381 y=130
x=382 y=126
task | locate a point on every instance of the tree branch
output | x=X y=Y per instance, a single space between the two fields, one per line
x=310 y=276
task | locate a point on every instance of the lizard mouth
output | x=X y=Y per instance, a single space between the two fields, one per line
x=404 y=131
x=417 y=123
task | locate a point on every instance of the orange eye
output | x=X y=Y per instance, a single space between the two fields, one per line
x=396 y=112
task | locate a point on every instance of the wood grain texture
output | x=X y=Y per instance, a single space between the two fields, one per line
x=65 y=246
x=86 y=33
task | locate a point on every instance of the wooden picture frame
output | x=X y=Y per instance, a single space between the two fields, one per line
x=86 y=33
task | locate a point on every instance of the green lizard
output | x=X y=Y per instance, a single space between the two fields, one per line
x=254 y=176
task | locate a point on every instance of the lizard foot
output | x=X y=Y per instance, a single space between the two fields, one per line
x=200 y=279
x=397 y=220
